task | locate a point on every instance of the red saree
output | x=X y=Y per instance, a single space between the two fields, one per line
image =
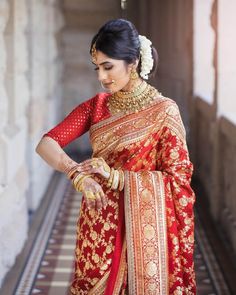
x=142 y=243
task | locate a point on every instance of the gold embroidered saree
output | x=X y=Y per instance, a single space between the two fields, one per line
x=142 y=243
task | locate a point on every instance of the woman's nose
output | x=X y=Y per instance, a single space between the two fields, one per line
x=101 y=75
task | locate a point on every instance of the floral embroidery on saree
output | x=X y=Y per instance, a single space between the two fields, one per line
x=154 y=214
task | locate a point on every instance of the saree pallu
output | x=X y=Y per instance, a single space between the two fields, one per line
x=142 y=243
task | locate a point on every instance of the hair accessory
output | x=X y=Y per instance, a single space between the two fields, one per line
x=94 y=53
x=146 y=56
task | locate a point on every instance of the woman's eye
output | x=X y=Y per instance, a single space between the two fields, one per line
x=105 y=68
x=108 y=68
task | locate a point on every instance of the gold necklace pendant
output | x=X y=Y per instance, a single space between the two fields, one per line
x=132 y=101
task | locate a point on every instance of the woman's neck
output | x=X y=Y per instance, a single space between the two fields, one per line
x=132 y=84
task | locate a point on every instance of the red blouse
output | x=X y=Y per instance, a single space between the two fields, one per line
x=80 y=119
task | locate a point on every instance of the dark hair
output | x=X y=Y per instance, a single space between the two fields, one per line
x=119 y=39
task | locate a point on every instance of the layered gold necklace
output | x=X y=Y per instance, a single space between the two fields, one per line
x=132 y=101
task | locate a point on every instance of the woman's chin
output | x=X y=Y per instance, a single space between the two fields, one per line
x=108 y=89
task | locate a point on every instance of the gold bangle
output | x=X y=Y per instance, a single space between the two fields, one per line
x=121 y=180
x=79 y=185
x=110 y=177
x=72 y=171
x=115 y=180
x=77 y=178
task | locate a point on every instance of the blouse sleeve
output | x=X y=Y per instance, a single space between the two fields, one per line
x=74 y=125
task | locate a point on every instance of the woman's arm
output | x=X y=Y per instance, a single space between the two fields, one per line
x=54 y=155
x=50 y=147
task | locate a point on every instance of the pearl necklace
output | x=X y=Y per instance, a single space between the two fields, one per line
x=132 y=101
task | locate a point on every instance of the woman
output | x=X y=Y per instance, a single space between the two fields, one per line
x=135 y=230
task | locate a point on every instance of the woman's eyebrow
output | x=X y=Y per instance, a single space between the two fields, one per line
x=102 y=63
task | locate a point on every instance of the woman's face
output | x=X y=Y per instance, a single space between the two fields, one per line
x=112 y=73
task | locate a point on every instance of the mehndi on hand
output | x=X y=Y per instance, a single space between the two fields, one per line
x=92 y=191
x=115 y=178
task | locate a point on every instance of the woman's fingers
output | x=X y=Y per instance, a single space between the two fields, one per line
x=99 y=204
x=102 y=197
x=95 y=197
x=96 y=200
x=90 y=199
x=96 y=165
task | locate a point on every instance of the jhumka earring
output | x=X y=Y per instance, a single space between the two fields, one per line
x=133 y=74
x=94 y=53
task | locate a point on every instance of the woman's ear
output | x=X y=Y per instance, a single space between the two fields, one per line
x=136 y=63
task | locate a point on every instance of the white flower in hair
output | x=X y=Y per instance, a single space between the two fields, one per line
x=146 y=56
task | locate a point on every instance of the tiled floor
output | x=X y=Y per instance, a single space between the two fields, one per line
x=49 y=266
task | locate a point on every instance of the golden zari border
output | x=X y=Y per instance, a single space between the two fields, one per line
x=147 y=249
x=118 y=132
x=100 y=287
x=122 y=272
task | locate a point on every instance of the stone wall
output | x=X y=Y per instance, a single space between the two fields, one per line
x=211 y=104
x=214 y=110
x=30 y=95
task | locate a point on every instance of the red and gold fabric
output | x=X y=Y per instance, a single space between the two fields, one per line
x=142 y=243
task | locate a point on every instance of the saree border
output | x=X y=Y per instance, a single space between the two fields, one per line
x=122 y=270
x=146 y=274
x=114 y=118
x=111 y=134
x=100 y=287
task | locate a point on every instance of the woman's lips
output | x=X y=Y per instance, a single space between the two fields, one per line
x=107 y=84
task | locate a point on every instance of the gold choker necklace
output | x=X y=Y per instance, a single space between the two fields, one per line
x=132 y=101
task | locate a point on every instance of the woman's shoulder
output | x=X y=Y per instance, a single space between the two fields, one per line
x=100 y=98
x=93 y=102
x=166 y=104
x=97 y=107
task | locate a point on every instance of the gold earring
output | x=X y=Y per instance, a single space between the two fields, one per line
x=133 y=74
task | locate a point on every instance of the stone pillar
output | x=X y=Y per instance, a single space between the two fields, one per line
x=205 y=87
x=14 y=95
x=30 y=103
x=215 y=115
x=227 y=117
x=46 y=65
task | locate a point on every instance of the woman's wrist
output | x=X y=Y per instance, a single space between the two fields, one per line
x=73 y=171
x=78 y=179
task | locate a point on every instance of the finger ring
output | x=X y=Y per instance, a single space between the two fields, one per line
x=90 y=196
x=97 y=194
x=94 y=164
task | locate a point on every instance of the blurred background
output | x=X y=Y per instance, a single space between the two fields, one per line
x=45 y=71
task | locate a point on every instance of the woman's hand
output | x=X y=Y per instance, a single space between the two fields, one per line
x=96 y=166
x=93 y=193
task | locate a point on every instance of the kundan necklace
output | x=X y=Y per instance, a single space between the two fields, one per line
x=132 y=101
